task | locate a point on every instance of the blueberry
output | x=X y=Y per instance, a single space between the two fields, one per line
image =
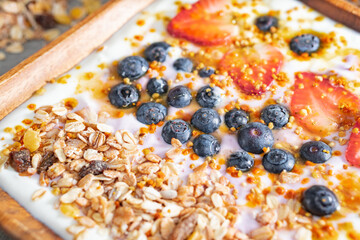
x=157 y=85
x=254 y=137
x=157 y=52
x=206 y=72
x=183 y=64
x=178 y=129
x=265 y=23
x=315 y=151
x=305 y=43
x=208 y=97
x=278 y=160
x=124 y=96
x=132 y=67
x=179 y=97
x=206 y=120
x=151 y=113
x=319 y=201
x=236 y=118
x=242 y=161
x=276 y=114
x=206 y=145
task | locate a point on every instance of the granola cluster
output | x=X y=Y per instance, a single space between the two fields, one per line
x=23 y=20
x=104 y=179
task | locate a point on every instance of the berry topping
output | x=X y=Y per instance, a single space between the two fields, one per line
x=208 y=97
x=242 y=161
x=206 y=72
x=305 y=43
x=252 y=69
x=278 y=160
x=254 y=137
x=151 y=113
x=315 y=151
x=321 y=107
x=236 y=118
x=206 y=120
x=319 y=201
x=183 y=64
x=179 y=97
x=266 y=23
x=276 y=114
x=353 y=150
x=156 y=52
x=205 y=23
x=157 y=85
x=206 y=145
x=123 y=96
x=133 y=67
x=178 y=129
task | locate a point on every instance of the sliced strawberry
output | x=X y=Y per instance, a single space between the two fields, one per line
x=321 y=107
x=353 y=150
x=206 y=23
x=252 y=69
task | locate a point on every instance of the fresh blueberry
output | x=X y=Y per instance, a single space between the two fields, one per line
x=157 y=52
x=208 y=97
x=132 y=67
x=123 y=96
x=242 y=161
x=278 y=160
x=206 y=145
x=236 y=118
x=265 y=23
x=151 y=113
x=178 y=129
x=305 y=43
x=206 y=120
x=315 y=151
x=319 y=201
x=183 y=64
x=276 y=114
x=157 y=85
x=179 y=97
x=254 y=137
x=206 y=72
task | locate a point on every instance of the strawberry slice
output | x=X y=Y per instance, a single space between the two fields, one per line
x=353 y=150
x=252 y=69
x=321 y=107
x=206 y=23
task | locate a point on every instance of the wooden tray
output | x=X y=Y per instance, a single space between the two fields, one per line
x=31 y=74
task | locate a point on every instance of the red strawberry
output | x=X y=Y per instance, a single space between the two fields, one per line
x=252 y=69
x=321 y=107
x=206 y=23
x=353 y=150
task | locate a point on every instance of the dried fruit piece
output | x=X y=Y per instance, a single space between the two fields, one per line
x=31 y=140
x=47 y=161
x=95 y=168
x=20 y=160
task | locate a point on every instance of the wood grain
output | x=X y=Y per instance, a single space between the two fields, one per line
x=59 y=56
x=19 y=224
x=340 y=10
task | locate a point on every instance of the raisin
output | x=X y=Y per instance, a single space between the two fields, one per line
x=46 y=21
x=95 y=167
x=47 y=161
x=20 y=160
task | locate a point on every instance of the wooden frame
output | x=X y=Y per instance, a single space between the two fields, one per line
x=32 y=73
